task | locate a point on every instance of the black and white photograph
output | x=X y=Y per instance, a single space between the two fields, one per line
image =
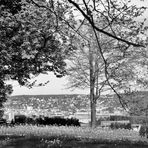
x=73 y=73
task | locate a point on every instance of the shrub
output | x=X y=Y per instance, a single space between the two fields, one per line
x=143 y=131
x=117 y=125
x=20 y=119
x=128 y=126
x=3 y=122
x=139 y=119
x=118 y=118
x=41 y=120
x=59 y=121
x=30 y=120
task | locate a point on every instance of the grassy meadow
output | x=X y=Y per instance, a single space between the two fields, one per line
x=79 y=134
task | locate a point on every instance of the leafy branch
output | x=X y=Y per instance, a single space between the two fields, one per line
x=87 y=17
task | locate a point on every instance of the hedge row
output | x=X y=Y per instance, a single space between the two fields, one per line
x=117 y=125
x=3 y=121
x=59 y=121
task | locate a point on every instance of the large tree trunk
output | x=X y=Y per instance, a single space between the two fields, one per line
x=93 y=113
x=92 y=89
x=92 y=101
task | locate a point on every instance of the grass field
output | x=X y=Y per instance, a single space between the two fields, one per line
x=82 y=134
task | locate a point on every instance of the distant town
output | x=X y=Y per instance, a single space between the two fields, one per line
x=68 y=106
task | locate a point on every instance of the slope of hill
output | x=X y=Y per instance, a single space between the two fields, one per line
x=137 y=102
x=59 y=102
x=75 y=102
x=68 y=103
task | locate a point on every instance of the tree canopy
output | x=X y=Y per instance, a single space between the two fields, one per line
x=30 y=42
x=116 y=47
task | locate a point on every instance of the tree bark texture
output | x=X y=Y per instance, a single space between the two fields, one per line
x=92 y=89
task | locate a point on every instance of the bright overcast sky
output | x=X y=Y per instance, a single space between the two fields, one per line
x=57 y=85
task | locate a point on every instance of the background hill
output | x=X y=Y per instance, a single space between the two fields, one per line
x=73 y=103
x=69 y=103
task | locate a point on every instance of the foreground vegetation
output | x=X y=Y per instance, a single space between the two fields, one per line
x=81 y=134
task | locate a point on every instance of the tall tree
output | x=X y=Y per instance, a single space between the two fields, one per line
x=30 y=43
x=119 y=23
x=87 y=68
x=13 y=7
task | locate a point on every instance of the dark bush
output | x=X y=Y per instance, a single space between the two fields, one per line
x=118 y=125
x=143 y=132
x=129 y=126
x=59 y=121
x=20 y=119
x=41 y=120
x=3 y=122
x=118 y=118
x=30 y=120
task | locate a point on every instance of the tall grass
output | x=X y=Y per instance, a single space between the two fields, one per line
x=83 y=133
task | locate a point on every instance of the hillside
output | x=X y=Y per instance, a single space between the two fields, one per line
x=57 y=102
x=137 y=102
x=68 y=103
x=75 y=102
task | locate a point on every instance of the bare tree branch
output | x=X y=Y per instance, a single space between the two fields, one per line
x=100 y=30
x=122 y=102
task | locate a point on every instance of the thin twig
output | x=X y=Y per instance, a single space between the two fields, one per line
x=100 y=30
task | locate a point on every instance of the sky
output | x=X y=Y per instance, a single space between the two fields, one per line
x=56 y=85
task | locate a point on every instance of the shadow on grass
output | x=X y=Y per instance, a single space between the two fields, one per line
x=63 y=142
